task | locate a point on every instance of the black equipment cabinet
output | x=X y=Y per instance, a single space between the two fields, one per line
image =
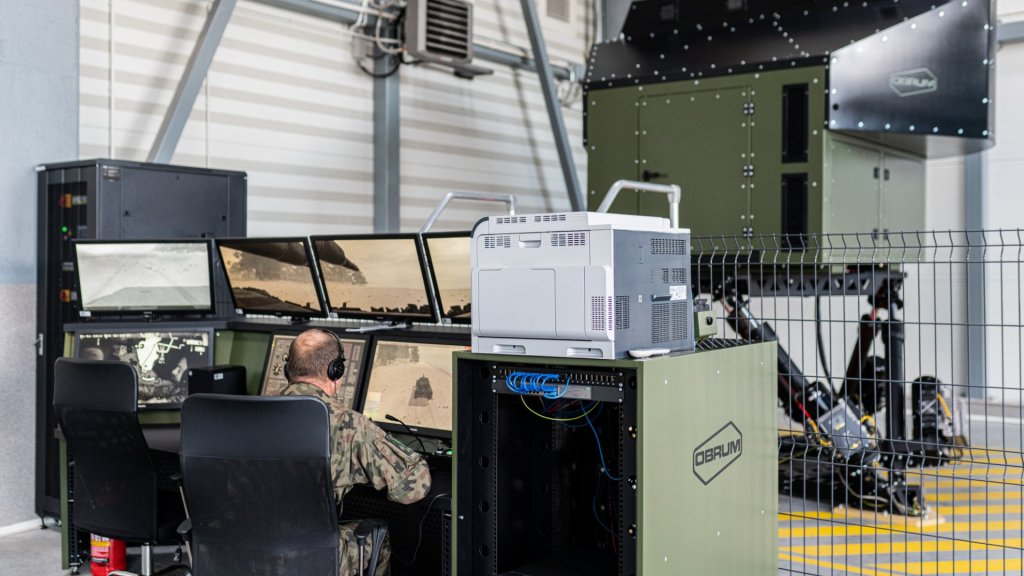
x=113 y=200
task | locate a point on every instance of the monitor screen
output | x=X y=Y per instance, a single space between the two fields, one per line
x=271 y=276
x=273 y=375
x=129 y=277
x=374 y=277
x=448 y=258
x=413 y=382
x=161 y=359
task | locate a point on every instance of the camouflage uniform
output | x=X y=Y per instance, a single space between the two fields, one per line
x=362 y=453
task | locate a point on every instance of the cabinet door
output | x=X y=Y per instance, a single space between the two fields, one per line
x=852 y=187
x=902 y=195
x=611 y=146
x=699 y=140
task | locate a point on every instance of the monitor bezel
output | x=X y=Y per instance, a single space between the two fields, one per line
x=156 y=328
x=140 y=311
x=314 y=272
x=387 y=425
x=467 y=234
x=365 y=339
x=378 y=316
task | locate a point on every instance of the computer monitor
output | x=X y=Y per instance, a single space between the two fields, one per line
x=144 y=277
x=412 y=380
x=273 y=373
x=448 y=259
x=272 y=276
x=161 y=359
x=374 y=277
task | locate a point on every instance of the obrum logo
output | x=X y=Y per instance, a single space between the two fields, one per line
x=913 y=82
x=717 y=453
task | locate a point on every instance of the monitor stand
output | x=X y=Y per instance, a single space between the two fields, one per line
x=379 y=328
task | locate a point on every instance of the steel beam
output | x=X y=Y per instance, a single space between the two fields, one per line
x=975 y=184
x=1010 y=33
x=547 y=82
x=188 y=88
x=386 y=139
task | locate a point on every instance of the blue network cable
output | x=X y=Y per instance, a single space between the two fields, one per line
x=536 y=383
x=600 y=451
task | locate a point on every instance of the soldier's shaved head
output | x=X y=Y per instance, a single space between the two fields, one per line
x=310 y=354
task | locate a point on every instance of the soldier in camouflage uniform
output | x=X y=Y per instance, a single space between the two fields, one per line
x=361 y=453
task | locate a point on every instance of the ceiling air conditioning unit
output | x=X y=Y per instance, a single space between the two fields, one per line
x=441 y=32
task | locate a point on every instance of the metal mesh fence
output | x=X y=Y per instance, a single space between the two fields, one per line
x=900 y=393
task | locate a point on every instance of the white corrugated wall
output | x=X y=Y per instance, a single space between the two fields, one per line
x=284 y=102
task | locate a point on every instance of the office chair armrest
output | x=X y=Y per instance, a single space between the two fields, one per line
x=378 y=529
x=185 y=529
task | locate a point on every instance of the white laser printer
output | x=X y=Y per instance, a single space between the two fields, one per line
x=580 y=284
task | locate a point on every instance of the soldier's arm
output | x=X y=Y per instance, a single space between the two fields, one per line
x=387 y=463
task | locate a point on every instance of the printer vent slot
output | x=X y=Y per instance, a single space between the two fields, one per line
x=668 y=276
x=497 y=242
x=511 y=219
x=600 y=313
x=549 y=218
x=622 y=312
x=569 y=239
x=661 y=321
x=678 y=320
x=668 y=246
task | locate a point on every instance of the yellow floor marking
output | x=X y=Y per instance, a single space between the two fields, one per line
x=868 y=517
x=887 y=548
x=980 y=471
x=983 y=509
x=973 y=496
x=1000 y=566
x=986 y=484
x=834 y=566
x=975 y=527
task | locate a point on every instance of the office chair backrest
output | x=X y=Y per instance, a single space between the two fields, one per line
x=114 y=480
x=257 y=474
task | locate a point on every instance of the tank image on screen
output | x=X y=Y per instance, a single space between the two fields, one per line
x=373 y=276
x=144 y=276
x=161 y=359
x=272 y=277
x=450 y=260
x=413 y=382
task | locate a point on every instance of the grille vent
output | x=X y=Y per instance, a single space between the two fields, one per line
x=569 y=239
x=668 y=322
x=668 y=276
x=549 y=218
x=794 y=211
x=600 y=313
x=668 y=246
x=440 y=30
x=511 y=219
x=795 y=121
x=661 y=321
x=497 y=242
x=678 y=320
x=622 y=312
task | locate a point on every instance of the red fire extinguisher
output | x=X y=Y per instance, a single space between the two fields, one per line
x=107 y=555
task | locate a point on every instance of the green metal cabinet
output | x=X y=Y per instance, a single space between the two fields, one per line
x=753 y=156
x=696 y=457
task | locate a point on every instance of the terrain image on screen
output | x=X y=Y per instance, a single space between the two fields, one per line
x=450 y=259
x=161 y=359
x=273 y=277
x=413 y=382
x=144 y=276
x=373 y=276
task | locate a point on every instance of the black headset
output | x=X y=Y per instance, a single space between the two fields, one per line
x=336 y=368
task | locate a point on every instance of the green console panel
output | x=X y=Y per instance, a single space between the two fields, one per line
x=697 y=460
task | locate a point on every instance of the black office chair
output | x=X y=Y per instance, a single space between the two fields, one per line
x=257 y=477
x=116 y=482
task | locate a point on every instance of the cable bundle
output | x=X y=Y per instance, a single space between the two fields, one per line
x=536 y=383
